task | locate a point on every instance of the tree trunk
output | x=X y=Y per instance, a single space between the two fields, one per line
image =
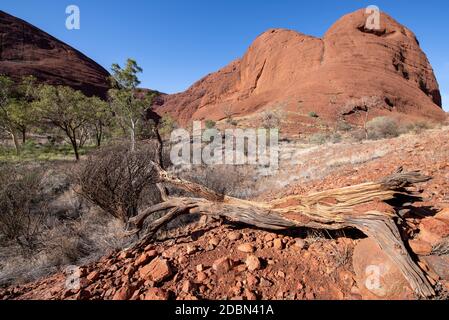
x=15 y=141
x=99 y=134
x=362 y=206
x=133 y=136
x=72 y=138
x=24 y=135
x=160 y=147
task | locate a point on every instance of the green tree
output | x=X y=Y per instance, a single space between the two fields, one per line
x=68 y=110
x=16 y=107
x=26 y=94
x=127 y=104
x=101 y=118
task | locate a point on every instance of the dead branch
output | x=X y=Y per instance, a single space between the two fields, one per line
x=361 y=206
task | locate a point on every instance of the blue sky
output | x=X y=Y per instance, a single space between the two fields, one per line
x=178 y=42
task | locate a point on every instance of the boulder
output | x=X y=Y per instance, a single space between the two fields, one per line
x=157 y=270
x=377 y=275
x=253 y=263
x=433 y=230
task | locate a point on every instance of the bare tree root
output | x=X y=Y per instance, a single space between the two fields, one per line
x=361 y=206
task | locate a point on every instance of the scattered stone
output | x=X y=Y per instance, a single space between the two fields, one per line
x=199 y=268
x=130 y=270
x=300 y=243
x=187 y=286
x=191 y=249
x=124 y=293
x=265 y=282
x=125 y=255
x=93 y=276
x=346 y=277
x=253 y=263
x=201 y=276
x=250 y=295
x=183 y=259
x=156 y=294
x=222 y=265
x=420 y=247
x=149 y=247
x=246 y=248
x=157 y=270
x=433 y=230
x=252 y=280
x=234 y=236
x=214 y=241
x=145 y=258
x=443 y=215
x=310 y=295
x=241 y=268
x=278 y=244
x=281 y=274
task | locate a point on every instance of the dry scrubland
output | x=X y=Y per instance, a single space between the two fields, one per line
x=55 y=226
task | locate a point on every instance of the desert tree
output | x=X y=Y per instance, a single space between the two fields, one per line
x=128 y=104
x=16 y=107
x=360 y=110
x=66 y=109
x=7 y=108
x=22 y=210
x=101 y=119
x=26 y=95
x=114 y=178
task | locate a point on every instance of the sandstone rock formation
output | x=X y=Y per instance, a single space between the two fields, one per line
x=27 y=50
x=296 y=74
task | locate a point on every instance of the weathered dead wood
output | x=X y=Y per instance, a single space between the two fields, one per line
x=361 y=206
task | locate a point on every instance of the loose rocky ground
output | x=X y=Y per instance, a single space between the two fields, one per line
x=218 y=261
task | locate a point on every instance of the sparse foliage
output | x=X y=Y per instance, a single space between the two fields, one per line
x=115 y=177
x=16 y=107
x=271 y=119
x=313 y=114
x=210 y=124
x=382 y=127
x=168 y=124
x=68 y=110
x=128 y=106
x=21 y=213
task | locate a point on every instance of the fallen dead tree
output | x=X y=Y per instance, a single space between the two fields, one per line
x=363 y=207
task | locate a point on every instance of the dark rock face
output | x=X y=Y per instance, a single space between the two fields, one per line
x=27 y=50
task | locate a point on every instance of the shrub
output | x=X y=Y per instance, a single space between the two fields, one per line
x=234 y=123
x=382 y=127
x=343 y=126
x=21 y=209
x=210 y=124
x=313 y=114
x=168 y=124
x=322 y=138
x=318 y=138
x=417 y=127
x=271 y=119
x=115 y=178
